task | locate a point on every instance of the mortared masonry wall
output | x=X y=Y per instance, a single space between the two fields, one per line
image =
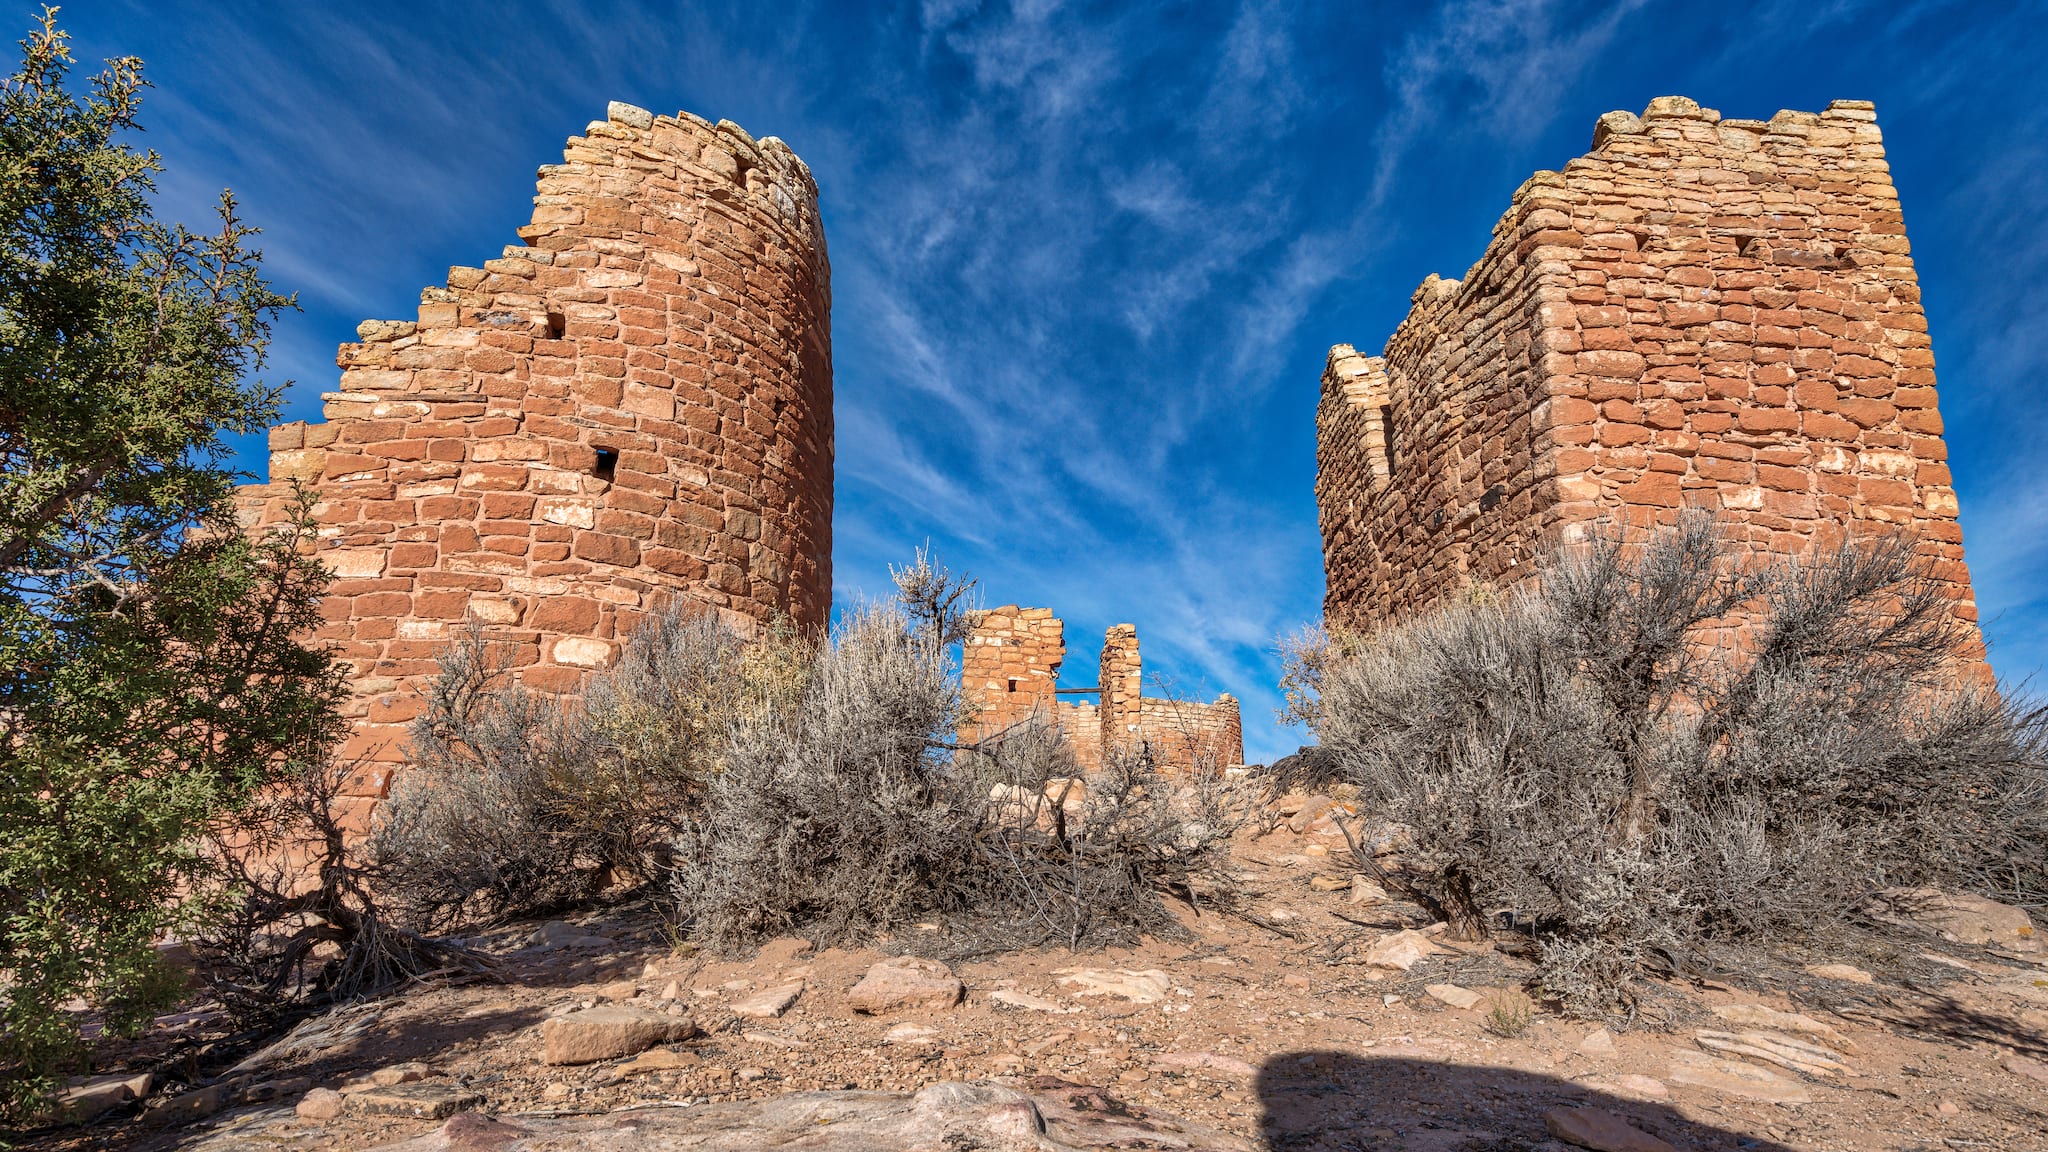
x=1701 y=312
x=634 y=402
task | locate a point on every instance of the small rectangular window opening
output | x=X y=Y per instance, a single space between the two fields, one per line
x=1013 y=685
x=1387 y=436
x=557 y=323
x=607 y=464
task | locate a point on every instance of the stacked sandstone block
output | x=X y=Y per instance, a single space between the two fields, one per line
x=1702 y=312
x=1009 y=671
x=634 y=403
x=1009 y=666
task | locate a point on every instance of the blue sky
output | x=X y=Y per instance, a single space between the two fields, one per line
x=1087 y=258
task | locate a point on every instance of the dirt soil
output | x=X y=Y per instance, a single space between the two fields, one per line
x=1275 y=1031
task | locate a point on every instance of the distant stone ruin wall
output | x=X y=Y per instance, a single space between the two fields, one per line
x=635 y=403
x=1702 y=312
x=1009 y=673
x=1010 y=666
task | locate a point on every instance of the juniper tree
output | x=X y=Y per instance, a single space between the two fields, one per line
x=150 y=682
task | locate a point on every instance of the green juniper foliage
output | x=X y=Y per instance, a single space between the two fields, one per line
x=149 y=680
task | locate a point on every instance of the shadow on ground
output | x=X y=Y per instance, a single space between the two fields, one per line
x=1314 y=1101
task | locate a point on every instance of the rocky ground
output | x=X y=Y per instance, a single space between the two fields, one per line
x=1330 y=1018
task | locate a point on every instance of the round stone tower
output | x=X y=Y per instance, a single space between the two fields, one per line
x=636 y=402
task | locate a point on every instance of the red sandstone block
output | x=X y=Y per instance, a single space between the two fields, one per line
x=413 y=555
x=567 y=615
x=1921 y=420
x=1784 y=479
x=382 y=604
x=1767 y=420
x=1868 y=413
x=603 y=548
x=1657 y=489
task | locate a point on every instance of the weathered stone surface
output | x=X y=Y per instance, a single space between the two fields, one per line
x=1012 y=998
x=1599 y=1044
x=1601 y=1131
x=768 y=1004
x=2025 y=1066
x=1763 y=1016
x=1735 y=1078
x=1649 y=331
x=83 y=1098
x=422 y=1101
x=1229 y=1066
x=1455 y=996
x=1774 y=1048
x=395 y=1074
x=1399 y=950
x=321 y=1104
x=187 y=1107
x=945 y=1115
x=905 y=982
x=1960 y=917
x=1148 y=986
x=1845 y=973
x=608 y=1032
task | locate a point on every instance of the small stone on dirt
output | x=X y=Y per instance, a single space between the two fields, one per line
x=909 y=1033
x=1141 y=987
x=658 y=1060
x=393 y=1075
x=2025 y=1066
x=1847 y=973
x=1364 y=891
x=1399 y=950
x=1601 y=1131
x=1015 y=999
x=321 y=1104
x=562 y=934
x=905 y=982
x=1328 y=883
x=1599 y=1043
x=420 y=1101
x=476 y=1132
x=1453 y=995
x=769 y=1004
x=607 y=1032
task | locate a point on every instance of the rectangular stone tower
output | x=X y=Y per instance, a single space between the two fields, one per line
x=1701 y=312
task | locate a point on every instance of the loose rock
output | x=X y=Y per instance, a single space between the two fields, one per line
x=1601 y=1131
x=608 y=1032
x=420 y=1101
x=1399 y=950
x=1599 y=1043
x=769 y=1004
x=1847 y=973
x=1145 y=987
x=905 y=982
x=1027 y=1001
x=321 y=1104
x=1456 y=997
